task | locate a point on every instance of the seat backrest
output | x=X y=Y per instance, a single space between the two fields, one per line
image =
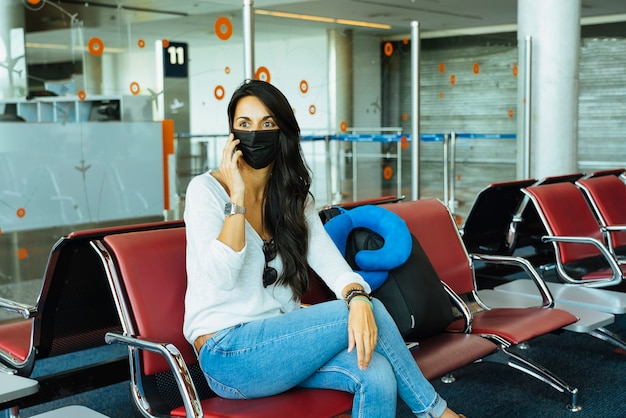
x=76 y=307
x=432 y=224
x=147 y=272
x=608 y=172
x=527 y=227
x=318 y=291
x=371 y=201
x=561 y=178
x=607 y=196
x=565 y=212
x=151 y=283
x=485 y=228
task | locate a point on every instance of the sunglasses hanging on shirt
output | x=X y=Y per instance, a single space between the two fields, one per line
x=269 y=273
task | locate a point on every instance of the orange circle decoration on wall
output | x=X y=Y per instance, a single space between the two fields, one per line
x=227 y=70
x=441 y=94
x=312 y=109
x=22 y=253
x=343 y=126
x=219 y=92
x=263 y=74
x=387 y=173
x=404 y=142
x=95 y=46
x=134 y=88
x=405 y=40
x=165 y=42
x=223 y=28
x=442 y=67
x=514 y=70
x=82 y=95
x=141 y=43
x=21 y=212
x=405 y=116
x=304 y=86
x=476 y=68
x=511 y=113
x=453 y=79
x=388 y=49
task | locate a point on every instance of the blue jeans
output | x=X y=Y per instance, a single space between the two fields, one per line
x=309 y=348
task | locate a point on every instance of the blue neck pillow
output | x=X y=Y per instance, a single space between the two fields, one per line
x=374 y=264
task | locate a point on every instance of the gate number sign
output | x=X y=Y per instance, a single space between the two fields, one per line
x=175 y=60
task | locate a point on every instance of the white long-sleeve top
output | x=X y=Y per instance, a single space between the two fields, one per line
x=224 y=286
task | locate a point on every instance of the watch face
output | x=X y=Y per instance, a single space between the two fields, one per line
x=232 y=209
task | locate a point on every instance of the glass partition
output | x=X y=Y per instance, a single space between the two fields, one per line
x=82 y=143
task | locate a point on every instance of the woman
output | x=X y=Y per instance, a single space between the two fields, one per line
x=252 y=233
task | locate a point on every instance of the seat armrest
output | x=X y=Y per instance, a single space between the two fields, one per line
x=547 y=300
x=613 y=263
x=461 y=306
x=606 y=230
x=614 y=228
x=176 y=362
x=27 y=311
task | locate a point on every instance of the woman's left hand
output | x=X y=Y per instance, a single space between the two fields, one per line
x=362 y=331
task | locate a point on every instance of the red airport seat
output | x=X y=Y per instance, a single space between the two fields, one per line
x=437 y=355
x=526 y=229
x=147 y=273
x=433 y=226
x=607 y=197
x=147 y=269
x=582 y=256
x=73 y=312
x=589 y=275
x=16 y=343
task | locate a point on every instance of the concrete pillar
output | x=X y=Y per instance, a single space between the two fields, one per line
x=339 y=97
x=340 y=77
x=248 y=39
x=13 y=76
x=554 y=29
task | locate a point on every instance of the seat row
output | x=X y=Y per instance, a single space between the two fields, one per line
x=73 y=312
x=572 y=228
x=129 y=285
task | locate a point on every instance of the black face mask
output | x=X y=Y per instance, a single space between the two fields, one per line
x=259 y=148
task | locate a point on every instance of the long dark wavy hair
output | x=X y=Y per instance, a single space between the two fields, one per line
x=288 y=187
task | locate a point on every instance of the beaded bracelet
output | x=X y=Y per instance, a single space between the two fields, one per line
x=352 y=293
x=363 y=298
x=352 y=289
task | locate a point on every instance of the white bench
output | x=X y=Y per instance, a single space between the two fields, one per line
x=597 y=299
x=590 y=303
x=72 y=411
x=13 y=388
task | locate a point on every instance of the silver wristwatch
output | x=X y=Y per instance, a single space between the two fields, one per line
x=232 y=209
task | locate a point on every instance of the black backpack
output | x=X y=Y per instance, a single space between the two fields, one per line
x=412 y=293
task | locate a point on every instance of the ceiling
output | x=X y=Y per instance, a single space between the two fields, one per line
x=433 y=15
x=50 y=21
